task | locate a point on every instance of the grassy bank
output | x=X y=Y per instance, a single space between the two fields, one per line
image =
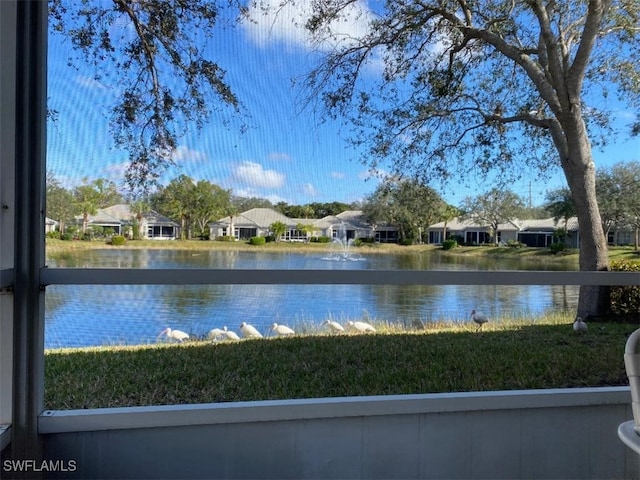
x=54 y=247
x=615 y=253
x=60 y=246
x=515 y=355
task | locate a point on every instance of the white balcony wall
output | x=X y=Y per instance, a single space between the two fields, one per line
x=566 y=433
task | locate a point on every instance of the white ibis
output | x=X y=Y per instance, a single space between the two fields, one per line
x=479 y=319
x=215 y=334
x=334 y=326
x=579 y=325
x=249 y=331
x=282 y=330
x=178 y=335
x=361 y=327
x=230 y=334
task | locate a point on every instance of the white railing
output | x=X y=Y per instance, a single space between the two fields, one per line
x=117 y=276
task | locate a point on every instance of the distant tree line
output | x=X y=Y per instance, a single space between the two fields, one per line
x=406 y=204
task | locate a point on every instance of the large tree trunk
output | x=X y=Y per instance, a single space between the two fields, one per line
x=580 y=171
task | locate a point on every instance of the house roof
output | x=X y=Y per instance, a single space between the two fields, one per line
x=154 y=218
x=264 y=217
x=101 y=217
x=547 y=224
x=354 y=217
x=328 y=221
x=352 y=220
x=467 y=224
x=122 y=213
x=514 y=225
x=256 y=217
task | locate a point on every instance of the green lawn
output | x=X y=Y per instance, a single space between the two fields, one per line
x=519 y=355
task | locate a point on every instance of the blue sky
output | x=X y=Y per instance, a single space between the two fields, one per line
x=285 y=155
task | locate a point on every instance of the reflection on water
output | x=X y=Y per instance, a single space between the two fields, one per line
x=96 y=314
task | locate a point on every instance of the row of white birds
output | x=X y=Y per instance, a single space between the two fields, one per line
x=249 y=331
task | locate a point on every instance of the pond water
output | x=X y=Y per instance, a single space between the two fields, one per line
x=91 y=315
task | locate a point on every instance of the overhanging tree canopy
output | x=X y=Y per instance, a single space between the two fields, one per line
x=153 y=54
x=469 y=88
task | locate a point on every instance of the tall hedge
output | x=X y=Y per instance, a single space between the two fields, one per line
x=118 y=240
x=625 y=300
x=257 y=240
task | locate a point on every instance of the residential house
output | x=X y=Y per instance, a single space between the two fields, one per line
x=50 y=225
x=104 y=220
x=257 y=222
x=540 y=232
x=530 y=232
x=382 y=233
x=621 y=236
x=471 y=233
x=252 y=223
x=348 y=225
x=121 y=219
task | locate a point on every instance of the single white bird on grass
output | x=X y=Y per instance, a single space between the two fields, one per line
x=215 y=334
x=178 y=335
x=230 y=334
x=249 y=331
x=282 y=330
x=579 y=325
x=362 y=327
x=479 y=319
x=334 y=326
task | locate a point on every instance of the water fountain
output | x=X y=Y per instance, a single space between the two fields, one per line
x=341 y=247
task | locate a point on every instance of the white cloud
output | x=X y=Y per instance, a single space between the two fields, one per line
x=246 y=192
x=88 y=82
x=309 y=190
x=273 y=22
x=185 y=154
x=365 y=174
x=338 y=175
x=254 y=175
x=251 y=192
x=625 y=114
x=116 y=171
x=279 y=156
x=276 y=199
x=373 y=174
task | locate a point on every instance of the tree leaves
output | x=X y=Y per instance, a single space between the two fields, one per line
x=151 y=54
x=407 y=204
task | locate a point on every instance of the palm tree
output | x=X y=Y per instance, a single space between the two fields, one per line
x=278 y=229
x=231 y=212
x=560 y=205
x=448 y=213
x=138 y=208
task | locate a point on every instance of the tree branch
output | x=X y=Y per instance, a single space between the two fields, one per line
x=596 y=11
